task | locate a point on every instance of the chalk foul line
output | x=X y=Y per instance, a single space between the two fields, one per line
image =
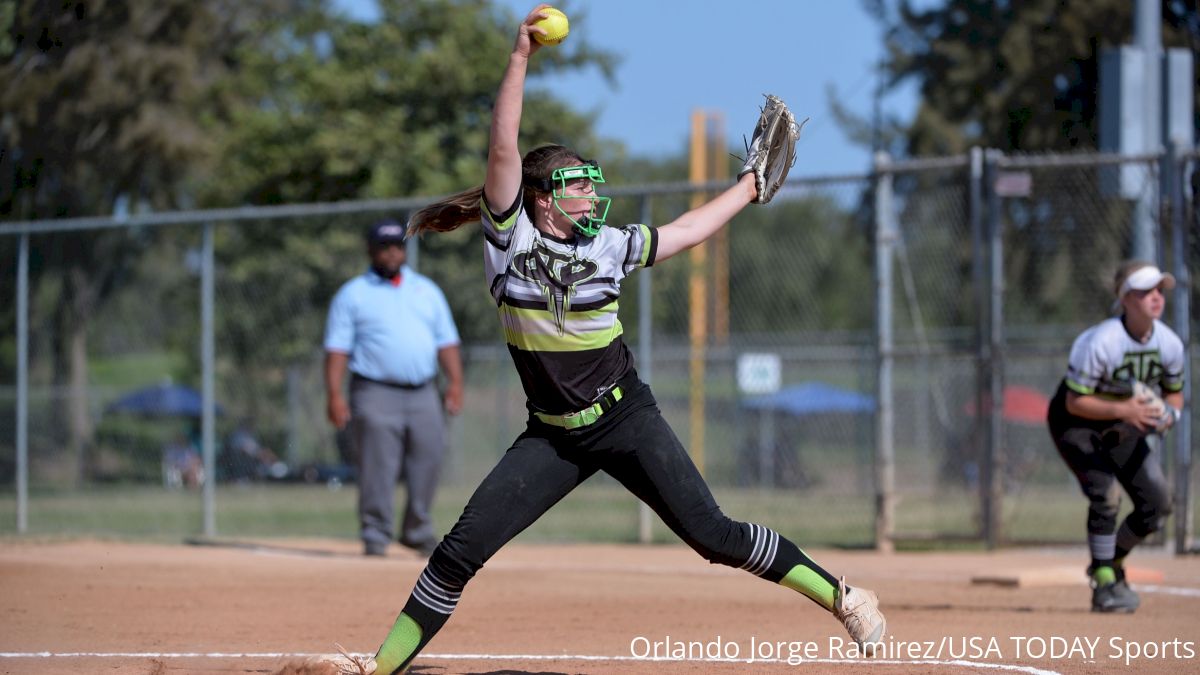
x=527 y=657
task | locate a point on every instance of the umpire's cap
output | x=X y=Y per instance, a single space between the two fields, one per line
x=387 y=231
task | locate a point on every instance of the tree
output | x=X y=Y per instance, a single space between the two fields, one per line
x=139 y=105
x=326 y=109
x=1018 y=76
x=100 y=108
x=1021 y=77
x=329 y=108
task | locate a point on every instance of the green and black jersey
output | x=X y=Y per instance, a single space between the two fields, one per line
x=558 y=305
x=1105 y=360
x=1107 y=354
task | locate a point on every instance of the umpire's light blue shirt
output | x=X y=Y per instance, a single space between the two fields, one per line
x=391 y=332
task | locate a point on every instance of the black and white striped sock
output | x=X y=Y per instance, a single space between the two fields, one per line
x=435 y=593
x=764 y=546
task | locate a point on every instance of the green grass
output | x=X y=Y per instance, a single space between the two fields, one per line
x=129 y=371
x=284 y=511
x=599 y=511
x=1033 y=516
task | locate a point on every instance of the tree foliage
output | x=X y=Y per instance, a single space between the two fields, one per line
x=329 y=108
x=1021 y=77
x=1017 y=76
x=325 y=108
x=100 y=107
x=102 y=100
x=132 y=105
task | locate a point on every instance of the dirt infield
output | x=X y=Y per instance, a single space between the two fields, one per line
x=101 y=607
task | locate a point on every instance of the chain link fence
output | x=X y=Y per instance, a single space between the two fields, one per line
x=111 y=310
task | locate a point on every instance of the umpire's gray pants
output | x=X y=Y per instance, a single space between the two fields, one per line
x=394 y=429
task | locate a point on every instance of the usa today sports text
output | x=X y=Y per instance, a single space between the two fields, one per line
x=1021 y=648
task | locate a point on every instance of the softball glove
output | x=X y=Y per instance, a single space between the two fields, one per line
x=771 y=152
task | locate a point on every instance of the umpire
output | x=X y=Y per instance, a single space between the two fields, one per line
x=392 y=328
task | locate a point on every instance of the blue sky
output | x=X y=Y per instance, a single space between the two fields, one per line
x=721 y=56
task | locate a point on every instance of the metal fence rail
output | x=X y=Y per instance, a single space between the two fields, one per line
x=931 y=289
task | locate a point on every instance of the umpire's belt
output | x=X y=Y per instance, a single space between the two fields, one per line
x=393 y=385
x=588 y=415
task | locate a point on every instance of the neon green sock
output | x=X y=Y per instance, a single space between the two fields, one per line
x=804 y=580
x=399 y=645
x=1104 y=575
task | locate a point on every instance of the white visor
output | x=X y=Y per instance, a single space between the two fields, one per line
x=1143 y=280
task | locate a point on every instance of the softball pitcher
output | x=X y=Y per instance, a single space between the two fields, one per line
x=554 y=271
x=1100 y=426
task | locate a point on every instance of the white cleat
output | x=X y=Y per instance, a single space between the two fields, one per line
x=858 y=610
x=350 y=664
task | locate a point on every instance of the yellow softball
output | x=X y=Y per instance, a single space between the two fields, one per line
x=556 y=26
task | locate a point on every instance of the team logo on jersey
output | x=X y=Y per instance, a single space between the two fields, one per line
x=556 y=274
x=1145 y=366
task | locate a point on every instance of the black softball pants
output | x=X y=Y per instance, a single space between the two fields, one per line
x=632 y=443
x=1104 y=459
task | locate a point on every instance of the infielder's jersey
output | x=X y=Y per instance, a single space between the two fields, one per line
x=1105 y=355
x=558 y=304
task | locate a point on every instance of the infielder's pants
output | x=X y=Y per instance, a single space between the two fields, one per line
x=633 y=444
x=395 y=428
x=1105 y=460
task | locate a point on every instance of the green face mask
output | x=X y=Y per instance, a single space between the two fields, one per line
x=589 y=225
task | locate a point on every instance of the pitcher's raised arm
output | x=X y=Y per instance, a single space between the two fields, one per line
x=503 y=180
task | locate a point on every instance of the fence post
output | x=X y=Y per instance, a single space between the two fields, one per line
x=23 y=384
x=1172 y=177
x=645 y=356
x=979 y=281
x=885 y=455
x=208 y=407
x=992 y=485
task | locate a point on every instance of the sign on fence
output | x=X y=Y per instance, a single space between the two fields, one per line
x=759 y=373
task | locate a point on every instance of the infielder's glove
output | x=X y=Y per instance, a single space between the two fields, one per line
x=772 y=150
x=1167 y=415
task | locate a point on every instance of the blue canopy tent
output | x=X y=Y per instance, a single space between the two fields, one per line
x=149 y=443
x=812 y=398
x=774 y=457
x=161 y=400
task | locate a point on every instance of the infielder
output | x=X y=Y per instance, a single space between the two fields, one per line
x=555 y=273
x=1100 y=426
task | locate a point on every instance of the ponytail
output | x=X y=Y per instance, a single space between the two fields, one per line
x=448 y=214
x=455 y=210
